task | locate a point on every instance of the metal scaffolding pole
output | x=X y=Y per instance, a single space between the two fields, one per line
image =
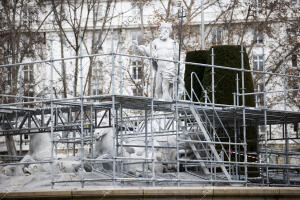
x=265 y=119
x=176 y=100
x=52 y=117
x=113 y=109
x=286 y=137
x=120 y=67
x=81 y=111
x=152 y=114
x=122 y=140
x=213 y=103
x=92 y=133
x=244 y=114
x=145 y=166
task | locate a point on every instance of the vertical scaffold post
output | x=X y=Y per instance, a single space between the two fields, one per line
x=113 y=113
x=122 y=140
x=237 y=130
x=237 y=90
x=120 y=67
x=152 y=114
x=205 y=98
x=284 y=84
x=235 y=134
x=81 y=111
x=192 y=88
x=177 y=59
x=145 y=166
x=286 y=139
x=151 y=69
x=92 y=133
x=213 y=76
x=213 y=101
x=244 y=115
x=176 y=68
x=51 y=115
x=265 y=118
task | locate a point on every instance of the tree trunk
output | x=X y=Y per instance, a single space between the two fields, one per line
x=75 y=74
x=63 y=66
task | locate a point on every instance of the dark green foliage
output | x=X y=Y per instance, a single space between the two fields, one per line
x=196 y=57
x=225 y=83
x=225 y=80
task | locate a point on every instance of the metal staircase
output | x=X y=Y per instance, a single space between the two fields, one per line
x=201 y=135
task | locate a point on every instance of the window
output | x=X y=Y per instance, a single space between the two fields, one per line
x=136 y=91
x=97 y=79
x=29 y=14
x=137 y=36
x=294 y=60
x=216 y=36
x=296 y=127
x=137 y=70
x=29 y=93
x=98 y=42
x=256 y=7
x=28 y=73
x=258 y=62
x=63 y=39
x=98 y=11
x=294 y=93
x=257 y=3
x=64 y=134
x=25 y=136
x=27 y=42
x=262 y=128
x=293 y=28
x=43 y=38
x=8 y=77
x=258 y=37
x=97 y=91
x=295 y=2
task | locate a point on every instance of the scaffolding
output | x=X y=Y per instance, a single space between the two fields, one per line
x=194 y=131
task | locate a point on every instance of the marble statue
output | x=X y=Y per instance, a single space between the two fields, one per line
x=103 y=149
x=39 y=150
x=163 y=47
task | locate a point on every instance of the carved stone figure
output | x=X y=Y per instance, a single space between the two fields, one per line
x=163 y=48
x=104 y=149
x=40 y=146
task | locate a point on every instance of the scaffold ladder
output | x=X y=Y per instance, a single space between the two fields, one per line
x=208 y=139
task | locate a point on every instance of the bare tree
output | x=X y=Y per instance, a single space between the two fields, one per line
x=73 y=15
x=17 y=42
x=272 y=25
x=76 y=15
x=102 y=15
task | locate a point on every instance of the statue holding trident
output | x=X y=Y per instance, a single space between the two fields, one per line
x=163 y=48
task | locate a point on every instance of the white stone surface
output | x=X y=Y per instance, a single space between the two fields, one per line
x=163 y=47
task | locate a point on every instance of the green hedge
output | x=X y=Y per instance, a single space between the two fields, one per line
x=196 y=57
x=225 y=81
